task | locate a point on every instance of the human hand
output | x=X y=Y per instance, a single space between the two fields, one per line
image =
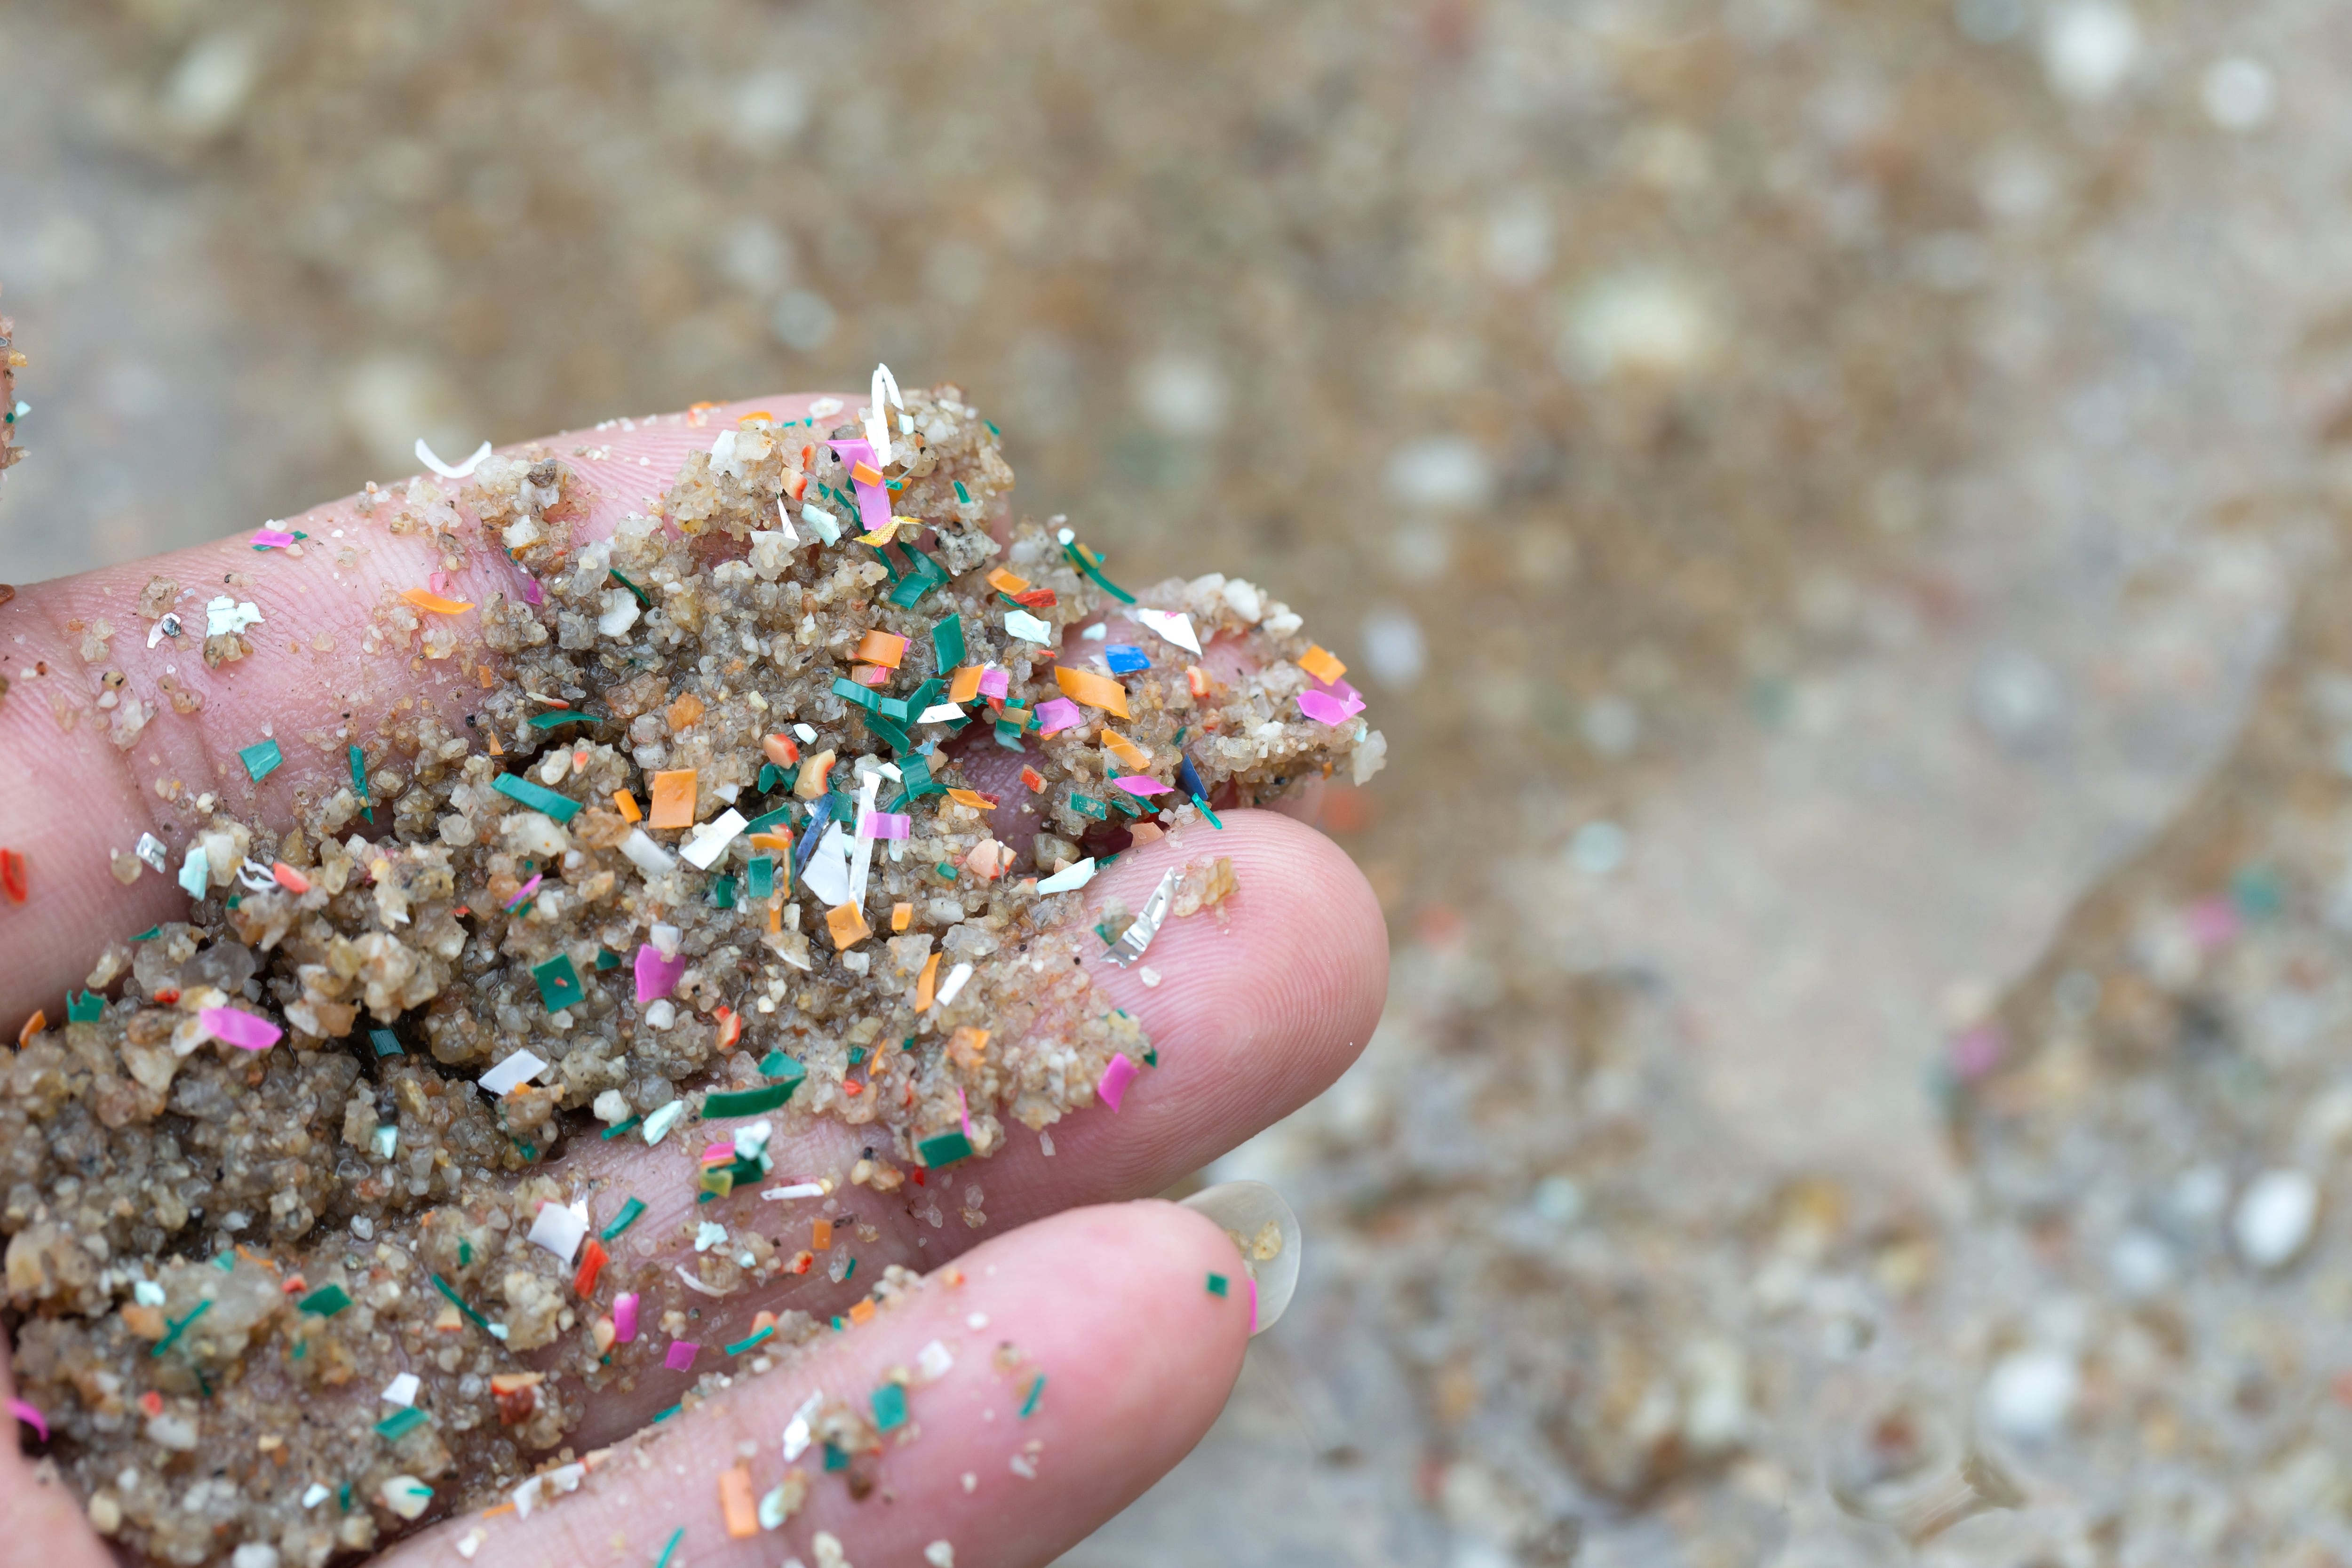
x=1108 y=1302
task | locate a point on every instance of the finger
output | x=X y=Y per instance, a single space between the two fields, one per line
x=44 y=1521
x=315 y=683
x=1110 y=1306
x=1253 y=1007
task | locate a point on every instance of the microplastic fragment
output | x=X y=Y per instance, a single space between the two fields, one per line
x=560 y=1228
x=890 y=1407
x=517 y=1068
x=1218 y=1284
x=934 y=1362
x=716 y=835
x=314 y=1494
x=1037 y=1391
x=539 y=797
x=194 y=871
x=943 y=1149
x=1143 y=785
x=657 y=975
x=886 y=825
x=401 y=1390
x=676 y=1536
x=625 y=1317
x=680 y=1355
x=261 y=759
x=434 y=602
x=225 y=616
x=708 y=1236
x=673 y=799
x=645 y=854
x=1174 y=625
x=400 y=1423
x=1028 y=627
x=628 y=1216
x=1138 y=937
x=426 y=455
x=995 y=682
x=1058 y=714
x=405 y=1495
x=828 y=526
x=239 y=1028
x=150 y=849
x=658 y=1124
x=559 y=983
x=735 y=1504
x=1069 y=879
x=270 y=538
x=30 y=1414
x=1116 y=1076
x=953 y=984
x=798 y=1190
x=938 y=713
x=1124 y=659
x=325 y=1301
x=1094 y=691
x=747 y=1102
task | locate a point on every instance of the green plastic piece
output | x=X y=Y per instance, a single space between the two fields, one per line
x=325 y=1301
x=1087 y=806
x=400 y=1423
x=779 y=817
x=759 y=881
x=782 y=1068
x=1218 y=1284
x=1212 y=815
x=385 y=1042
x=676 y=1535
x=261 y=759
x=643 y=603
x=607 y=959
x=556 y=716
x=947 y=642
x=962 y=494
x=559 y=983
x=944 y=1149
x=773 y=777
x=86 y=1008
x=618 y=1128
x=897 y=737
x=752 y=1342
x=539 y=797
x=863 y=697
x=722 y=893
x=460 y=1302
x=359 y=783
x=173 y=1330
x=890 y=1407
x=1037 y=1391
x=897 y=709
x=747 y=1102
x=631 y=1212
x=1088 y=562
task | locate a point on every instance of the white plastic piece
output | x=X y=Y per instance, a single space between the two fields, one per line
x=708 y=1236
x=953 y=984
x=426 y=455
x=715 y=837
x=657 y=1125
x=877 y=422
x=1069 y=879
x=797 y=1436
x=1174 y=625
x=827 y=872
x=225 y=616
x=401 y=1390
x=938 y=713
x=519 y=1068
x=807 y=733
x=558 y=1229
x=934 y=1362
x=1028 y=627
x=645 y=854
x=861 y=865
x=828 y=526
x=1246 y=1210
x=797 y=1190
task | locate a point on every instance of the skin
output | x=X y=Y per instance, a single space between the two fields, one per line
x=1098 y=1285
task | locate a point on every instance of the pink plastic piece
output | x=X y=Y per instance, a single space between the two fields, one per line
x=532 y=592
x=1059 y=714
x=871 y=675
x=240 y=1029
x=656 y=975
x=523 y=893
x=271 y=537
x=681 y=1355
x=886 y=825
x=719 y=1155
x=1143 y=785
x=624 y=1316
x=1115 y=1079
x=30 y=1414
x=1332 y=703
x=873 y=500
x=994 y=683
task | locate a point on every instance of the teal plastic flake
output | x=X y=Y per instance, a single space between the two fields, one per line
x=760 y=880
x=858 y=696
x=944 y=1149
x=539 y=797
x=86 y=1008
x=890 y=1407
x=261 y=759
x=559 y=983
x=947 y=642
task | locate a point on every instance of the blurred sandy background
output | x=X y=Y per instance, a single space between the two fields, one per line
x=1810 y=486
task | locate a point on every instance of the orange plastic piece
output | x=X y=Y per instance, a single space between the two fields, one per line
x=735 y=1503
x=901 y=916
x=673 y=799
x=802 y=1262
x=862 y=1312
x=482 y=673
x=927 y=986
x=1125 y=749
x=686 y=712
x=290 y=879
x=775 y=916
x=1196 y=679
x=781 y=750
x=885 y=648
x=755 y=413
x=592 y=1263
x=811 y=784
x=33 y=1025
x=1322 y=665
x=1094 y=691
x=1035 y=780
x=627 y=802
x=490 y=734
x=847 y=924
x=967 y=1048
x=730 y=1027
x=821 y=1235
x=973 y=799
x=965 y=684
x=865 y=474
x=435 y=603
x=1004 y=582
x=774 y=842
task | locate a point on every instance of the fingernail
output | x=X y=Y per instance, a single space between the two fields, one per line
x=1267 y=1234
